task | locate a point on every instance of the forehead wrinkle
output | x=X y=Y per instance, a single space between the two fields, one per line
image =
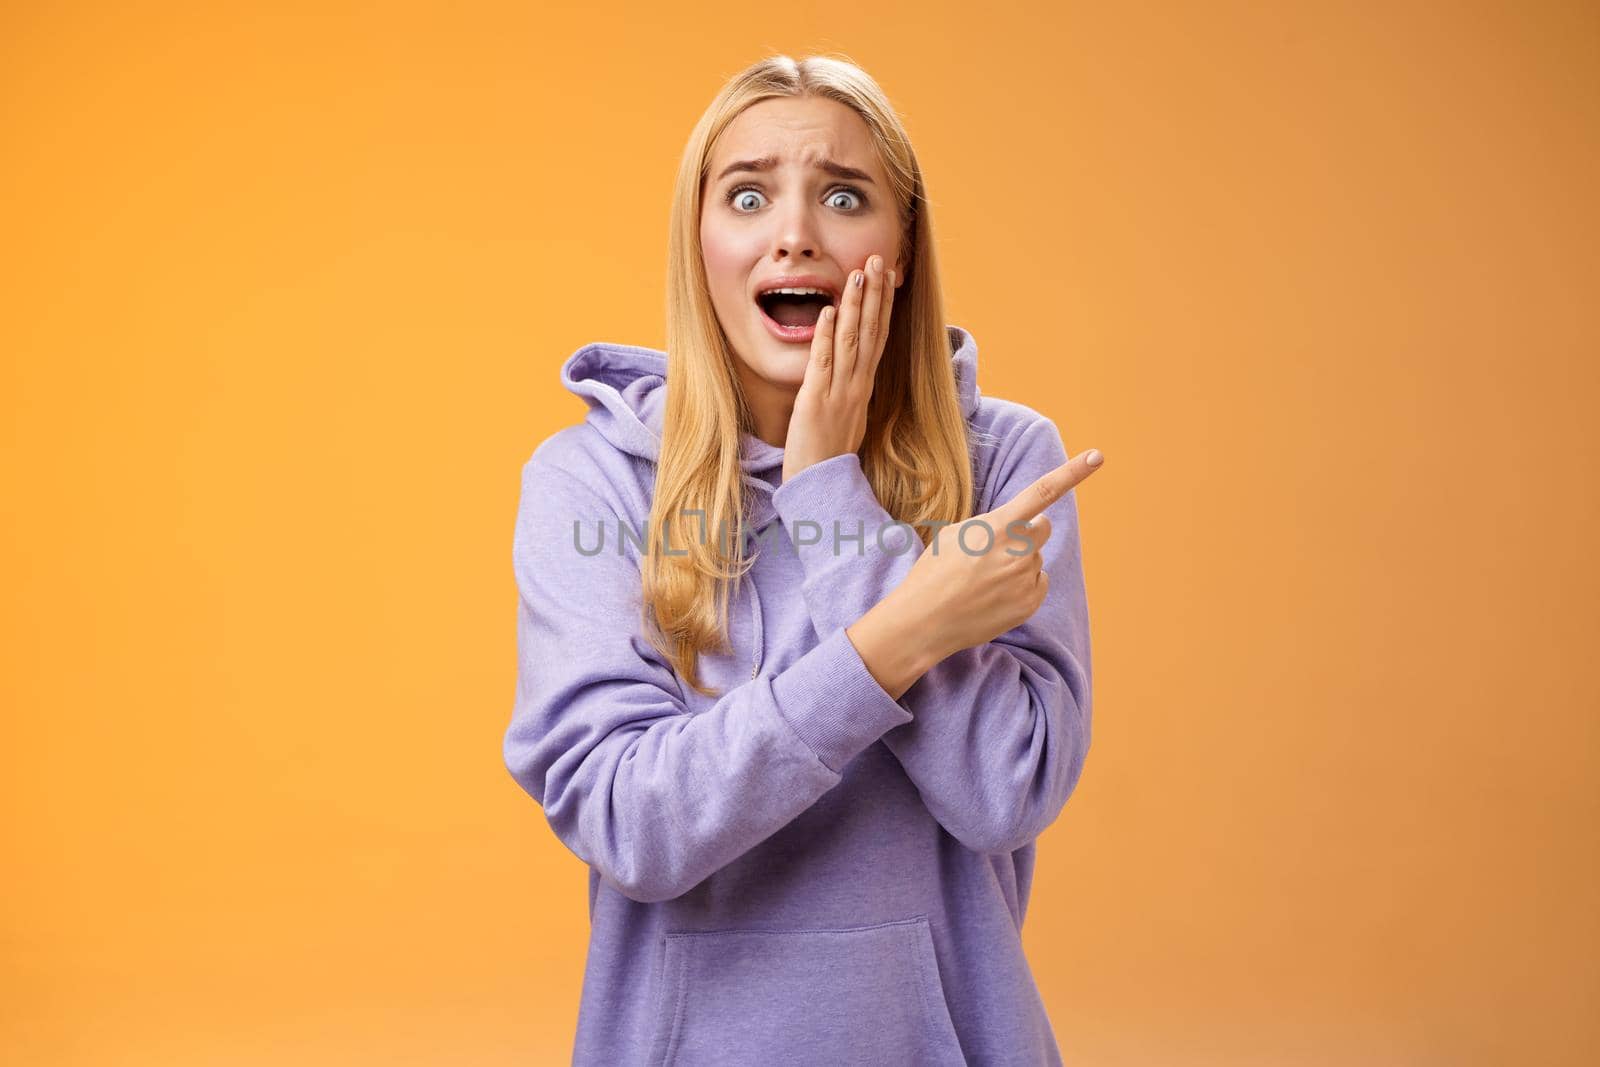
x=816 y=158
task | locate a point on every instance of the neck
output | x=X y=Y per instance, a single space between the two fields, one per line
x=771 y=406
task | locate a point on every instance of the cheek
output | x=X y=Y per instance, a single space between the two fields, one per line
x=882 y=239
x=720 y=259
x=729 y=260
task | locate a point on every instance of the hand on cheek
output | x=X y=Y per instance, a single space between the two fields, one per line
x=830 y=411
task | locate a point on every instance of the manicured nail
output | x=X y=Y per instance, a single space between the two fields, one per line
x=861 y=276
x=1094 y=458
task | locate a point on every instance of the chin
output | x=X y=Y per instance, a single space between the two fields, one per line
x=783 y=364
x=773 y=361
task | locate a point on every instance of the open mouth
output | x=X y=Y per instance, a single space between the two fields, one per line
x=794 y=308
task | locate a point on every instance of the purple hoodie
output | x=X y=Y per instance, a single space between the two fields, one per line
x=802 y=870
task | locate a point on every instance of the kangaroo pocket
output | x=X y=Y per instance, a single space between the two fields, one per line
x=843 y=995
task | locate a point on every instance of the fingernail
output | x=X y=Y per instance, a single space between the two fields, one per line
x=876 y=263
x=861 y=276
x=1094 y=458
x=891 y=277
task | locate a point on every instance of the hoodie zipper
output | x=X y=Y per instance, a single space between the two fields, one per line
x=755 y=618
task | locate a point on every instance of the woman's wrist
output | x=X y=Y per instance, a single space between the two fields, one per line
x=896 y=644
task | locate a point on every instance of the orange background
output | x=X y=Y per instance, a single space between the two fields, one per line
x=286 y=290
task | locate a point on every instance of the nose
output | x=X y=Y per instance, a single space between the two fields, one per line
x=795 y=233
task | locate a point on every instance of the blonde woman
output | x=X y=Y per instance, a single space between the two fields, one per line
x=803 y=729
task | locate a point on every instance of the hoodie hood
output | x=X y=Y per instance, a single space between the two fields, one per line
x=625 y=387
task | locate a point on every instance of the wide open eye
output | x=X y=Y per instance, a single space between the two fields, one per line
x=736 y=197
x=845 y=190
x=737 y=194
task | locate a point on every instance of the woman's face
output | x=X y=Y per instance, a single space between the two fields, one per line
x=794 y=188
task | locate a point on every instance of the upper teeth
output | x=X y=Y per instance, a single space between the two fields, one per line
x=798 y=292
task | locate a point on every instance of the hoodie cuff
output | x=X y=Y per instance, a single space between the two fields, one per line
x=833 y=703
x=841 y=514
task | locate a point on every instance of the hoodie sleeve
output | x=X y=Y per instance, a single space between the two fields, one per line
x=654 y=797
x=1000 y=730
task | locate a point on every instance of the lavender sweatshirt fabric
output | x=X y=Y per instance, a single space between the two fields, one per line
x=801 y=870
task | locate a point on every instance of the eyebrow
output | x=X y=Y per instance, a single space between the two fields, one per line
x=766 y=163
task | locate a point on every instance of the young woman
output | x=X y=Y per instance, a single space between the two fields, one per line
x=802 y=729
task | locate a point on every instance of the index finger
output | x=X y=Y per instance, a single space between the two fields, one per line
x=819 y=364
x=1049 y=488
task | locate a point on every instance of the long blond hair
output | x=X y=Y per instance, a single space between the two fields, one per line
x=916 y=452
